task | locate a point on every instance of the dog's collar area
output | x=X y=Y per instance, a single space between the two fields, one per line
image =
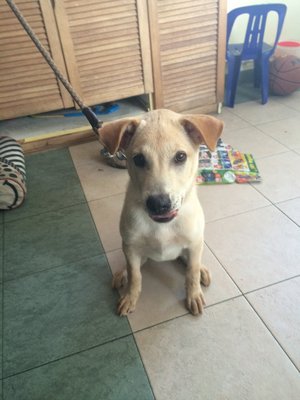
x=164 y=217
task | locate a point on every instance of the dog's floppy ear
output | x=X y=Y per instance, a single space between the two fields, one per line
x=203 y=129
x=117 y=135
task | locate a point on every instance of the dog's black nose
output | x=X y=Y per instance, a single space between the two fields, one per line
x=159 y=204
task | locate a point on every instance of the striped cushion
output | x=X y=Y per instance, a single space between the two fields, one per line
x=12 y=174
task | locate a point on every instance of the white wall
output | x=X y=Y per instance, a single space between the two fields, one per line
x=291 y=26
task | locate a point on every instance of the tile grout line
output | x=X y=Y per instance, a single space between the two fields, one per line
x=132 y=333
x=271 y=333
x=272 y=284
x=187 y=313
x=284 y=201
x=257 y=127
x=254 y=290
x=287 y=149
x=252 y=125
x=78 y=260
x=76 y=173
x=2 y=305
x=273 y=155
x=88 y=204
x=244 y=295
x=272 y=137
x=276 y=206
x=282 y=212
x=90 y=212
x=67 y=356
x=288 y=106
x=107 y=197
x=93 y=200
x=144 y=367
x=85 y=201
x=223 y=266
x=266 y=122
x=46 y=212
x=240 y=213
x=296 y=151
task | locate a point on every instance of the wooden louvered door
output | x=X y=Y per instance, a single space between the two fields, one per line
x=27 y=84
x=106 y=47
x=188 y=43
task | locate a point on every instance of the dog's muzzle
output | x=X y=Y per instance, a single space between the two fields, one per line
x=160 y=209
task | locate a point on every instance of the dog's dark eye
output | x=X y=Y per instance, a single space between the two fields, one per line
x=180 y=157
x=139 y=160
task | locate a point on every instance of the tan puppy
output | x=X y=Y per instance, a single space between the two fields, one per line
x=162 y=218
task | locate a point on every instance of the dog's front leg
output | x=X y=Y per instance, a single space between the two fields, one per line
x=128 y=302
x=195 y=273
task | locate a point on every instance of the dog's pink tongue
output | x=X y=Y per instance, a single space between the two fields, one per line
x=166 y=216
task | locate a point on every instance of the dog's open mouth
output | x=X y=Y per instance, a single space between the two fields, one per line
x=164 y=217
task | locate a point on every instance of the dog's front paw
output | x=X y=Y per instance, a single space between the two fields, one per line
x=119 y=279
x=195 y=303
x=126 y=304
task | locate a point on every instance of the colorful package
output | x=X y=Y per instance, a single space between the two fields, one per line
x=226 y=165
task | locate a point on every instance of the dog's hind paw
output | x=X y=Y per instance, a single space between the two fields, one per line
x=119 y=279
x=126 y=305
x=205 y=276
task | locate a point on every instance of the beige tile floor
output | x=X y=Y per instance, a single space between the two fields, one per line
x=246 y=344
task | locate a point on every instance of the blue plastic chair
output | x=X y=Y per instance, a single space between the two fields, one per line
x=253 y=48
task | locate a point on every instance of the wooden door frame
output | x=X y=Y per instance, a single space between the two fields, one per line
x=158 y=97
x=221 y=61
x=66 y=41
x=55 y=47
x=144 y=33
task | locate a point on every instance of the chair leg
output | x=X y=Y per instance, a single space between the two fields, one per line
x=257 y=73
x=264 y=80
x=234 y=65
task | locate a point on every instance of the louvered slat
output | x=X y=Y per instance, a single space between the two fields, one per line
x=106 y=48
x=188 y=52
x=28 y=85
